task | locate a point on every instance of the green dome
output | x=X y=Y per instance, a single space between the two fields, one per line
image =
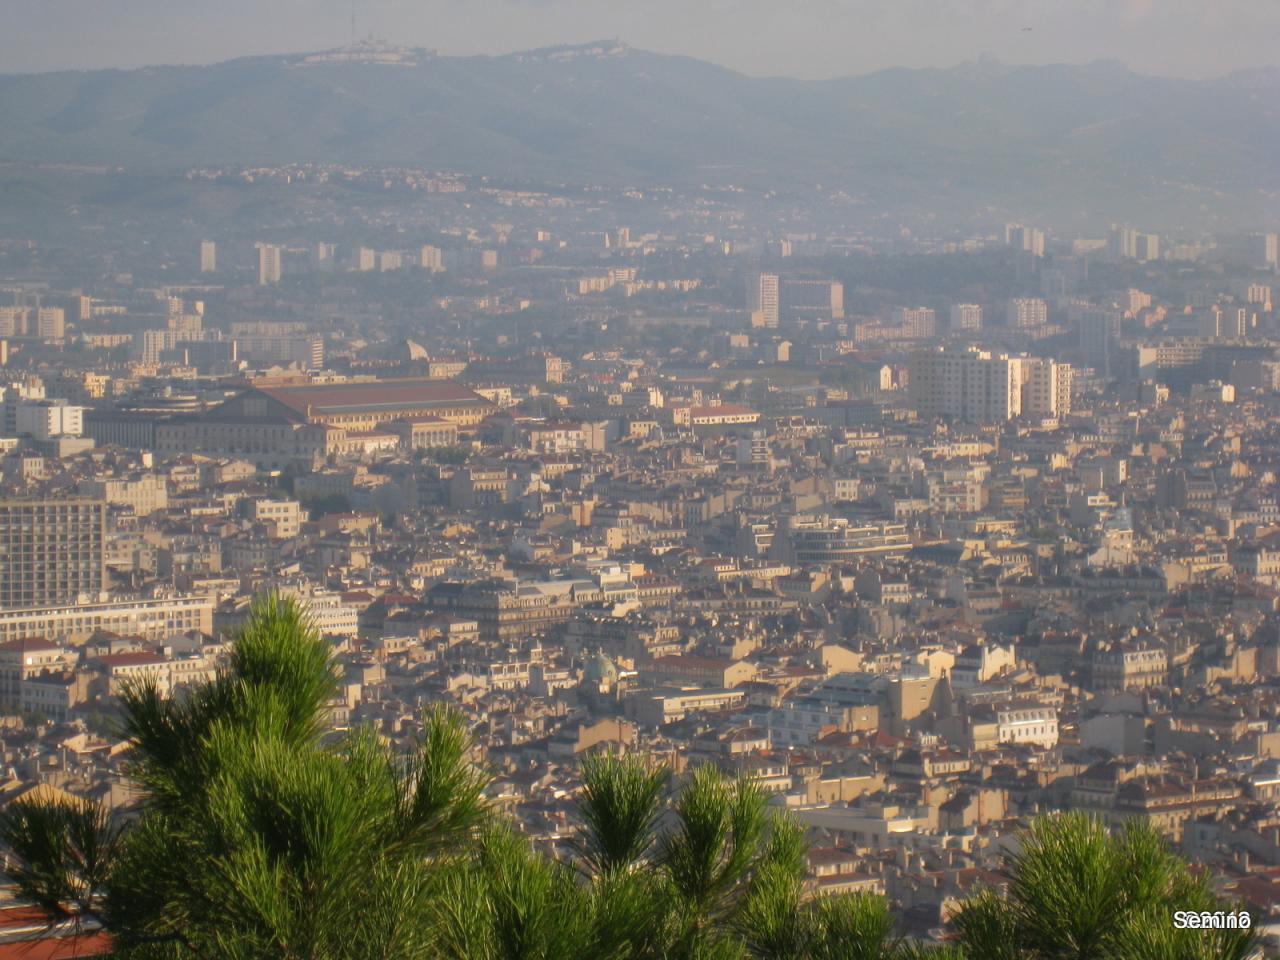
x=600 y=669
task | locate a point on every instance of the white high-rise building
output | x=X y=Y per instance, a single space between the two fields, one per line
x=431 y=258
x=51 y=552
x=1134 y=301
x=1030 y=239
x=762 y=299
x=1257 y=293
x=29 y=390
x=917 y=323
x=1126 y=243
x=967 y=384
x=1122 y=243
x=1148 y=247
x=966 y=316
x=50 y=323
x=269 y=257
x=208 y=256
x=14 y=321
x=985 y=387
x=150 y=344
x=1046 y=387
x=46 y=419
x=1026 y=312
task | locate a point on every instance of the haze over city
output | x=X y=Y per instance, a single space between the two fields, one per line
x=716 y=480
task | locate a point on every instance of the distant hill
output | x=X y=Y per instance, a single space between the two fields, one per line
x=1094 y=141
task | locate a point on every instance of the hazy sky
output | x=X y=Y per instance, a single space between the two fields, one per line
x=806 y=38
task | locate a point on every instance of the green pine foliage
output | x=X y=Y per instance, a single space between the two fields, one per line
x=259 y=837
x=256 y=838
x=1077 y=891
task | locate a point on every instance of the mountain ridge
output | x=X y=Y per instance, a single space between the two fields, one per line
x=621 y=47
x=1094 y=140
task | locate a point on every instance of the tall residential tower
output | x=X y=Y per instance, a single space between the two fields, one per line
x=51 y=551
x=762 y=299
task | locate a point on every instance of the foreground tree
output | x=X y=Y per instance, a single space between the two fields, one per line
x=1077 y=891
x=259 y=838
x=706 y=873
x=256 y=839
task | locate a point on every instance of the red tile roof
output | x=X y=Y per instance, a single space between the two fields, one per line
x=77 y=947
x=28 y=935
x=375 y=393
x=28 y=643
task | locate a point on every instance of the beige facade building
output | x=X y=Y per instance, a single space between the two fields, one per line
x=282 y=424
x=25 y=658
x=151 y=619
x=282 y=517
x=146 y=493
x=1132 y=669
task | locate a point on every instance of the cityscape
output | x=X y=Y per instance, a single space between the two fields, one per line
x=928 y=536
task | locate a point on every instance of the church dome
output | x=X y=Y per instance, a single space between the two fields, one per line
x=600 y=669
